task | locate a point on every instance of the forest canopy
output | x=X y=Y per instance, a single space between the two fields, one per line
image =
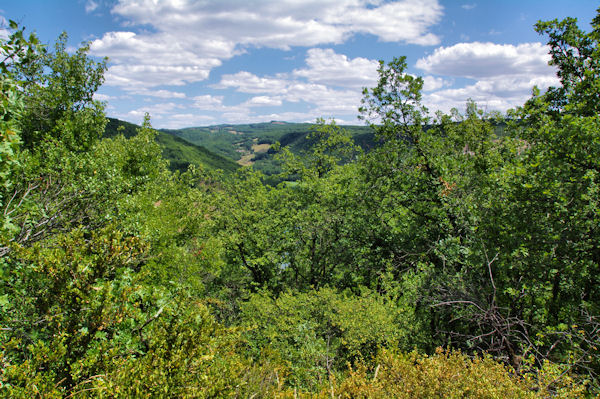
x=448 y=261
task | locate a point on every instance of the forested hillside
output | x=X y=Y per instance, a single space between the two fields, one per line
x=253 y=144
x=180 y=153
x=447 y=261
x=258 y=144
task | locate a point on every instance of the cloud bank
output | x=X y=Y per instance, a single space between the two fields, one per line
x=186 y=39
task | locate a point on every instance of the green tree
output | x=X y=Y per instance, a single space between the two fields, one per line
x=576 y=54
x=556 y=186
x=331 y=145
x=16 y=52
x=59 y=101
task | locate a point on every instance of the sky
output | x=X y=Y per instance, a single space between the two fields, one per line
x=207 y=62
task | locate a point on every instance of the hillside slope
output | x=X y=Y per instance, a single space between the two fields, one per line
x=180 y=153
x=249 y=144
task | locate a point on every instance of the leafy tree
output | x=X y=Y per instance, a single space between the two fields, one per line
x=556 y=186
x=59 y=103
x=331 y=145
x=66 y=306
x=16 y=52
x=576 y=55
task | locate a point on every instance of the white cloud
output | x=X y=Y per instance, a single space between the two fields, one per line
x=209 y=103
x=329 y=86
x=102 y=97
x=181 y=120
x=482 y=60
x=187 y=39
x=247 y=82
x=328 y=101
x=139 y=61
x=431 y=83
x=504 y=74
x=137 y=77
x=4 y=31
x=289 y=22
x=482 y=93
x=384 y=20
x=327 y=67
x=469 y=6
x=159 y=93
x=156 y=111
x=325 y=100
x=263 y=101
x=289 y=116
x=90 y=6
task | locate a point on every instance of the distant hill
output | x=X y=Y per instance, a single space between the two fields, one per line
x=181 y=153
x=218 y=146
x=249 y=144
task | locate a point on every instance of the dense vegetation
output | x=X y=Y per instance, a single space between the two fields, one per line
x=447 y=261
x=255 y=144
x=179 y=152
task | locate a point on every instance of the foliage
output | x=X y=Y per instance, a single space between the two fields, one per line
x=317 y=333
x=233 y=141
x=69 y=306
x=121 y=277
x=189 y=355
x=179 y=152
x=59 y=100
x=445 y=374
x=331 y=145
x=16 y=51
x=575 y=53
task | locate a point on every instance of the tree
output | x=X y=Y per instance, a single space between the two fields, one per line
x=576 y=54
x=556 y=186
x=59 y=103
x=16 y=52
x=331 y=145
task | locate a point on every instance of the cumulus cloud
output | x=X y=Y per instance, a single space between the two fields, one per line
x=187 y=39
x=247 y=82
x=504 y=74
x=289 y=22
x=431 y=83
x=102 y=97
x=323 y=99
x=263 y=101
x=482 y=60
x=142 y=61
x=159 y=93
x=327 y=67
x=274 y=91
x=482 y=93
x=330 y=83
x=181 y=120
x=157 y=112
x=209 y=103
x=242 y=117
x=136 y=77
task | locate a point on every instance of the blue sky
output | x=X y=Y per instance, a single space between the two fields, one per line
x=195 y=63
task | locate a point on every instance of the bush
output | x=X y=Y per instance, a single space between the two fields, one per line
x=446 y=374
x=319 y=332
